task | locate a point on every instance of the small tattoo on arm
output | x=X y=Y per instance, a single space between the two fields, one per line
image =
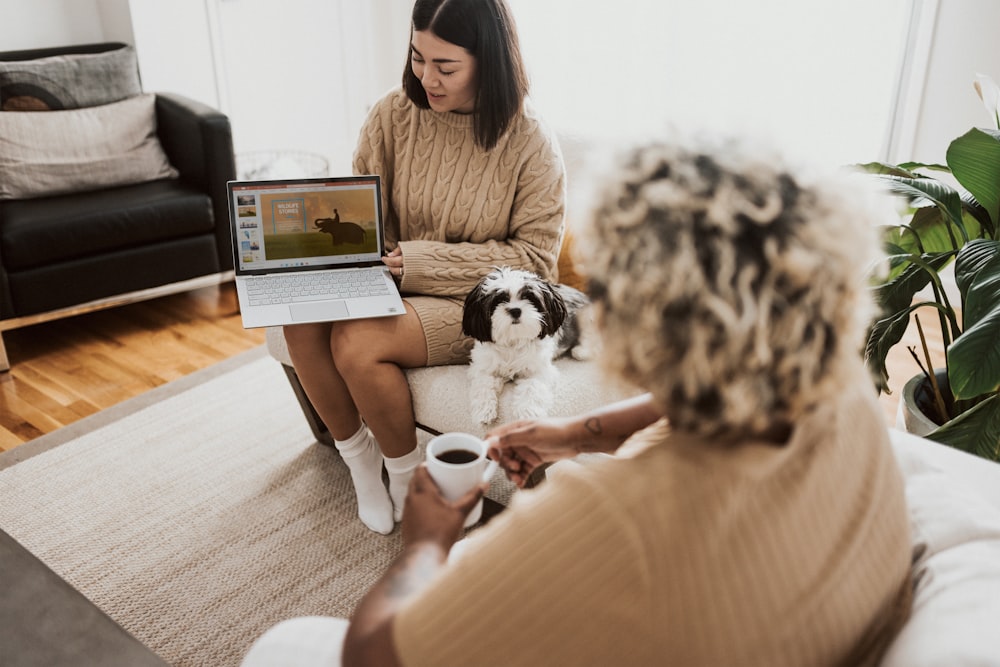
x=594 y=426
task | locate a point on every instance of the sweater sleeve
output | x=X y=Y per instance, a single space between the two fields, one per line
x=374 y=155
x=541 y=588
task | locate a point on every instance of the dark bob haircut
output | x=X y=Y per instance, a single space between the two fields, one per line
x=484 y=28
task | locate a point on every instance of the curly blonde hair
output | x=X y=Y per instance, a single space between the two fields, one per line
x=728 y=285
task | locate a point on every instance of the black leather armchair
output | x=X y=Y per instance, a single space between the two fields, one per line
x=72 y=253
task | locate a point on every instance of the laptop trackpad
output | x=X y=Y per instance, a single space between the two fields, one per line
x=317 y=311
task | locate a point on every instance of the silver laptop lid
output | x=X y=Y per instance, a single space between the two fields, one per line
x=305 y=224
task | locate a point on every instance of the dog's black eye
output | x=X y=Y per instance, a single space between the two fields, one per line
x=532 y=297
x=498 y=300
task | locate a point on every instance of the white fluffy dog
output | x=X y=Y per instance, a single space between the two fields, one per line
x=521 y=323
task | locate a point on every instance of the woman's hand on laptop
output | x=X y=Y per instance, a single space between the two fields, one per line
x=394 y=260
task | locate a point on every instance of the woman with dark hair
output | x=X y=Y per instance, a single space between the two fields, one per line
x=503 y=83
x=471 y=179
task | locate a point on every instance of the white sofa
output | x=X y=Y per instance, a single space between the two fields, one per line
x=954 y=501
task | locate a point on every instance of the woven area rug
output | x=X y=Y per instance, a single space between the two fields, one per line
x=198 y=514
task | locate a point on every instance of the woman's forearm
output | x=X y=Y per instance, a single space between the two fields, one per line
x=369 y=639
x=605 y=429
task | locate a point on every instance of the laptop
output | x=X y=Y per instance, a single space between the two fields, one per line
x=309 y=250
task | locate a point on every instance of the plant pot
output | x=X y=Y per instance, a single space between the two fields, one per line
x=916 y=399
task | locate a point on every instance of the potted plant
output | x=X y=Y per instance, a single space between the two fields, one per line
x=949 y=220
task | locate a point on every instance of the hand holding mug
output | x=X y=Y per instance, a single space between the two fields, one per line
x=430 y=517
x=457 y=463
x=522 y=446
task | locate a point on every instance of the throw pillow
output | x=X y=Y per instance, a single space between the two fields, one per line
x=70 y=81
x=59 y=152
x=568 y=274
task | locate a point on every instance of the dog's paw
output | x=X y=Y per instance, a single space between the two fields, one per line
x=530 y=399
x=530 y=411
x=485 y=412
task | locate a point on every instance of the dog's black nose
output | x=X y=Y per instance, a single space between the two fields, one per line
x=514 y=312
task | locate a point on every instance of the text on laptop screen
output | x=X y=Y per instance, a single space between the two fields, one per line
x=317 y=222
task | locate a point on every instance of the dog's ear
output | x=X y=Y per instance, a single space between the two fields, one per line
x=477 y=317
x=555 y=309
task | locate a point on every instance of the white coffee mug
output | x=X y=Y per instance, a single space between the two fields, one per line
x=457 y=463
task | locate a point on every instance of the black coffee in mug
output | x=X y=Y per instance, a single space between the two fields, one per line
x=457 y=456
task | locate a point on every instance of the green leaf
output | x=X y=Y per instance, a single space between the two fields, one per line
x=938 y=193
x=976 y=431
x=977 y=275
x=886 y=169
x=927 y=231
x=974 y=357
x=974 y=159
x=897 y=294
x=881 y=337
x=977 y=219
x=905 y=169
x=932 y=166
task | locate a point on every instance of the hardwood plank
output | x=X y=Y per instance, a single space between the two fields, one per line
x=8 y=440
x=64 y=370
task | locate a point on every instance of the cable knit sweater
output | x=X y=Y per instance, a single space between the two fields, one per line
x=685 y=551
x=457 y=210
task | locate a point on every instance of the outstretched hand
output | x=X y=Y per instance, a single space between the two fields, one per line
x=522 y=446
x=430 y=517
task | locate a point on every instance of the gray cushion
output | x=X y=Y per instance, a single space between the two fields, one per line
x=69 y=81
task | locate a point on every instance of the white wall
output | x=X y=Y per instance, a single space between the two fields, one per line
x=941 y=104
x=707 y=64
x=174 y=45
x=30 y=24
x=815 y=77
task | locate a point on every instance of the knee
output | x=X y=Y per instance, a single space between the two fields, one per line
x=353 y=347
x=305 y=336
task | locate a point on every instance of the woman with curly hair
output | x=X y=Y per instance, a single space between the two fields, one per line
x=753 y=512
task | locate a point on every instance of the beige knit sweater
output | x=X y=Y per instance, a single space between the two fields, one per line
x=456 y=210
x=682 y=551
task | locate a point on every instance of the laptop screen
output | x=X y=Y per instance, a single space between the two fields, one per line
x=288 y=225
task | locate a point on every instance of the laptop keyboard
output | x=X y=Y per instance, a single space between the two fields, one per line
x=289 y=288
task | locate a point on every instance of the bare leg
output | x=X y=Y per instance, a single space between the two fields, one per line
x=371 y=358
x=309 y=348
x=354 y=369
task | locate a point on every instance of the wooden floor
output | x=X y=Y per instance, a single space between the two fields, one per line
x=64 y=370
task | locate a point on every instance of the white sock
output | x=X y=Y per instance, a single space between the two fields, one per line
x=400 y=471
x=364 y=459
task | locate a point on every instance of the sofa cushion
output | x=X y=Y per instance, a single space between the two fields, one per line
x=44 y=154
x=44 y=232
x=955 y=518
x=69 y=81
x=441 y=393
x=110 y=275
